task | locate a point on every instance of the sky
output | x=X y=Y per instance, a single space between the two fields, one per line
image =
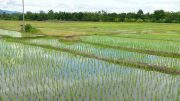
x=91 y=5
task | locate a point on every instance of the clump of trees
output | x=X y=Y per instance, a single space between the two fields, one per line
x=159 y=16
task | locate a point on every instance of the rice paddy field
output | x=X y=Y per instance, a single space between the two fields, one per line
x=90 y=61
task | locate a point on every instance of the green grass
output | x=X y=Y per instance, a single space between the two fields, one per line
x=89 y=28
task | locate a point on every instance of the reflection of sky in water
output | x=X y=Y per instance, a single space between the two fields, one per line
x=62 y=64
x=113 y=53
x=16 y=34
x=10 y=33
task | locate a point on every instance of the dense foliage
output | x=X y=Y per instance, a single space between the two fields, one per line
x=140 y=16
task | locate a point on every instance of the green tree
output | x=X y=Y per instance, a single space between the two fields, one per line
x=42 y=16
x=140 y=12
x=50 y=14
x=159 y=14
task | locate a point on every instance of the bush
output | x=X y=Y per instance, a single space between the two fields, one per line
x=140 y=20
x=29 y=28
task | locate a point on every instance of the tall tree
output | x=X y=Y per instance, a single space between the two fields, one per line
x=140 y=12
x=159 y=14
x=50 y=14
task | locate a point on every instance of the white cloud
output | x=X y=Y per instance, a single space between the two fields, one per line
x=92 y=5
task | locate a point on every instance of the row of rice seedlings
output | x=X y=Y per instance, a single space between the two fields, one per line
x=154 y=45
x=163 y=37
x=112 y=53
x=48 y=75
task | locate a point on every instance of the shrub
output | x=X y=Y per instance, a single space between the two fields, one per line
x=116 y=19
x=29 y=28
x=140 y=20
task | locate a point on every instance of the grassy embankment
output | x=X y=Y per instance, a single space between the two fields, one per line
x=89 y=28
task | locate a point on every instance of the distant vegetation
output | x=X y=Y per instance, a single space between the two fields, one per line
x=159 y=16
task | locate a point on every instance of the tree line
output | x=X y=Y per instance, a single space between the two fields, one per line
x=159 y=16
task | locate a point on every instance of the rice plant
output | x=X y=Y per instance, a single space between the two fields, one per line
x=32 y=73
x=111 y=53
x=155 y=45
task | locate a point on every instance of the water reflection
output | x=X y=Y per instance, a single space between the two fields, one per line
x=16 y=34
x=10 y=33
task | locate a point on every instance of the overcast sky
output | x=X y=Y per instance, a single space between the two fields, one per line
x=92 y=5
